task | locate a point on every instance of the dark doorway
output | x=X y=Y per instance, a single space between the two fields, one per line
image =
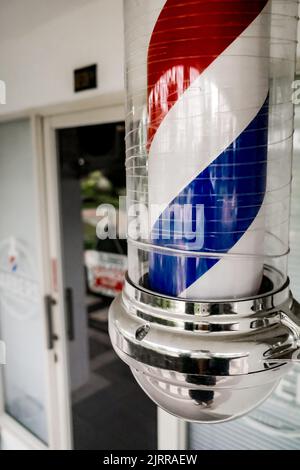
x=109 y=409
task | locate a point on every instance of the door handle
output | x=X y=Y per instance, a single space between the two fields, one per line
x=70 y=314
x=49 y=303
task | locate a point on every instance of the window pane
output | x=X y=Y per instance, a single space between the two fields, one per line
x=21 y=308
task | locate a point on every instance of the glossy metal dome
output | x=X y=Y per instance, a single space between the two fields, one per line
x=206 y=361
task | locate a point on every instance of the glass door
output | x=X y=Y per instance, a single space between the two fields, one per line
x=25 y=385
x=109 y=410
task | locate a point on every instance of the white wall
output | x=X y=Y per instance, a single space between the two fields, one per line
x=43 y=41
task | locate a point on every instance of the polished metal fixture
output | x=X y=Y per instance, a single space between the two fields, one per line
x=207 y=361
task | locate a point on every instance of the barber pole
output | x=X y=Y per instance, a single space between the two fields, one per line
x=206 y=320
x=208 y=87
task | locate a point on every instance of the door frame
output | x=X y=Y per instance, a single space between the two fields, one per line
x=51 y=124
x=105 y=109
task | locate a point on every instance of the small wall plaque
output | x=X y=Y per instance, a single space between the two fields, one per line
x=85 y=78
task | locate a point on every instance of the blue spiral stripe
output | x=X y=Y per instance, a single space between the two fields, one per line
x=230 y=191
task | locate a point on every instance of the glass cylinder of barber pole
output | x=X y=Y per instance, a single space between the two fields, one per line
x=209 y=144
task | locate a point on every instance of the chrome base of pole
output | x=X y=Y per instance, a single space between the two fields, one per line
x=207 y=362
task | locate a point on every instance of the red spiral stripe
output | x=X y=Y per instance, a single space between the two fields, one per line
x=188 y=36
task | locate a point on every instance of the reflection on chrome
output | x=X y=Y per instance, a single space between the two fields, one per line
x=207 y=361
